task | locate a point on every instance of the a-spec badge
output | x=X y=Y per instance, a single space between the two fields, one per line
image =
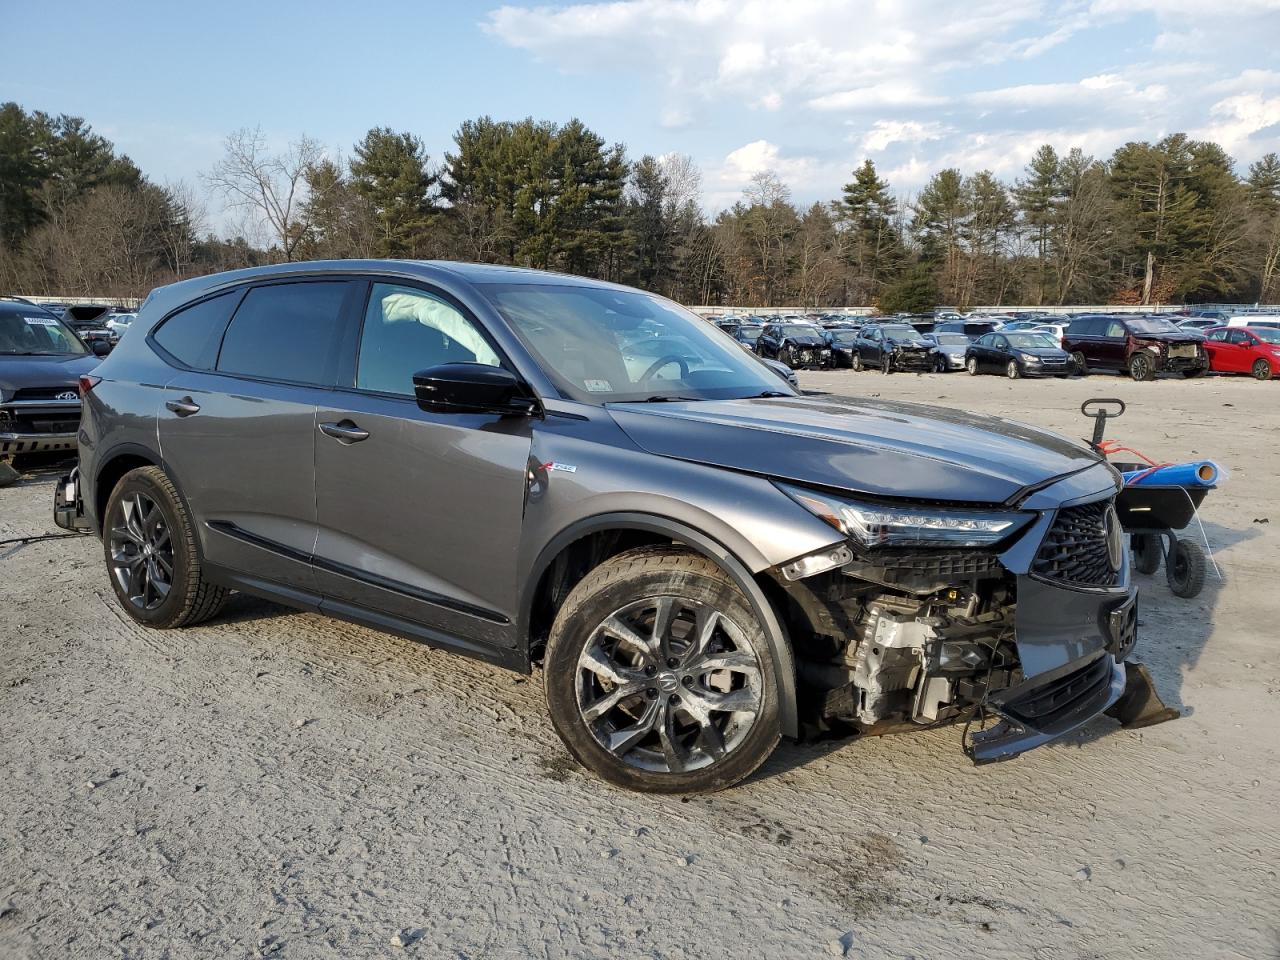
x=562 y=467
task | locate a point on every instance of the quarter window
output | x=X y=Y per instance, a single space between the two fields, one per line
x=191 y=336
x=407 y=330
x=286 y=331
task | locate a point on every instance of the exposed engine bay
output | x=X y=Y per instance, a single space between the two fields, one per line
x=893 y=645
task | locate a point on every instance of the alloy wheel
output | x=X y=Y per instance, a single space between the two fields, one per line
x=142 y=552
x=669 y=684
x=1261 y=370
x=972 y=366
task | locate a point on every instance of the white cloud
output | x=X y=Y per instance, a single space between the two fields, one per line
x=886 y=132
x=1238 y=118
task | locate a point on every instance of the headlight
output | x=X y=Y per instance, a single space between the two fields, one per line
x=880 y=525
x=1031 y=359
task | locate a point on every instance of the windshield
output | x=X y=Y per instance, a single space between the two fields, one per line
x=843 y=336
x=899 y=330
x=800 y=330
x=601 y=345
x=1266 y=334
x=34 y=334
x=749 y=333
x=1151 y=325
x=1029 y=341
x=952 y=339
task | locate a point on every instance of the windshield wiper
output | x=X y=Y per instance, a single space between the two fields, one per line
x=768 y=393
x=666 y=398
x=30 y=353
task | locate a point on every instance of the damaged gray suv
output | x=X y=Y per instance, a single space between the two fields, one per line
x=533 y=468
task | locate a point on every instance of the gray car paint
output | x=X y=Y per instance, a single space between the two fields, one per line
x=674 y=466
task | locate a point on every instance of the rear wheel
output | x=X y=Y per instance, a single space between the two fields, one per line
x=1146 y=552
x=1012 y=370
x=1082 y=367
x=150 y=545
x=972 y=366
x=1141 y=368
x=659 y=677
x=1185 y=568
x=1261 y=370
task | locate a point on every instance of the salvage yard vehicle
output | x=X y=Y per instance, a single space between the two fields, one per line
x=90 y=323
x=41 y=363
x=841 y=341
x=794 y=343
x=1251 y=350
x=1142 y=346
x=948 y=350
x=891 y=346
x=701 y=559
x=1017 y=355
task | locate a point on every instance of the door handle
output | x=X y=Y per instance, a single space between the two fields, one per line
x=344 y=431
x=183 y=408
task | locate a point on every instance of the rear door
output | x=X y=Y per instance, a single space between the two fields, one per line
x=1239 y=352
x=238 y=425
x=419 y=512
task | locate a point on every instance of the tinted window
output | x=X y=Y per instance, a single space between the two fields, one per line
x=407 y=330
x=191 y=336
x=1218 y=335
x=285 y=332
x=1114 y=328
x=1238 y=336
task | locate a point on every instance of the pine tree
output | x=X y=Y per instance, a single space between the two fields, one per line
x=392 y=172
x=874 y=247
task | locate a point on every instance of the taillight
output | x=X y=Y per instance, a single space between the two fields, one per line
x=87 y=383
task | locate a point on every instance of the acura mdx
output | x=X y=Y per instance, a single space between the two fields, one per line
x=538 y=469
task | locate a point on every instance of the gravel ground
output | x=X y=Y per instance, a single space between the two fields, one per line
x=275 y=783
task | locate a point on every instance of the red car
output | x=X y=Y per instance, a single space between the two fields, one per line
x=1252 y=350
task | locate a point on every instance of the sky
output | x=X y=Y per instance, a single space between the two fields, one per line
x=805 y=88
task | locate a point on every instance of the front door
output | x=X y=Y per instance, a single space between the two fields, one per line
x=419 y=513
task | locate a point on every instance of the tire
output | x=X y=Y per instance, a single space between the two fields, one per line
x=1147 y=551
x=1185 y=568
x=1141 y=368
x=1261 y=370
x=972 y=366
x=856 y=362
x=1082 y=368
x=588 y=660
x=1012 y=370
x=147 y=529
x=790 y=357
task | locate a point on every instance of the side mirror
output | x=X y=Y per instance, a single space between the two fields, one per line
x=101 y=348
x=472 y=388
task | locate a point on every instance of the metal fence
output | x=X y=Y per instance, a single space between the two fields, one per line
x=723 y=311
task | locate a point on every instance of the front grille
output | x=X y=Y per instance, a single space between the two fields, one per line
x=1053 y=701
x=1074 y=551
x=45 y=393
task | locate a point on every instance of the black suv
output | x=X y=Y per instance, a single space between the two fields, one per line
x=793 y=342
x=535 y=468
x=41 y=364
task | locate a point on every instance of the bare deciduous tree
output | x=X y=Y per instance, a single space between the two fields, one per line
x=273 y=185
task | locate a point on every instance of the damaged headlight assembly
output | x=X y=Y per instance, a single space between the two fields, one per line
x=898 y=525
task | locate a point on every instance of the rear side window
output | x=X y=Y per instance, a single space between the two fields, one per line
x=287 y=331
x=191 y=335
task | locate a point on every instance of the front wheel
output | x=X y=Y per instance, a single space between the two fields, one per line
x=1012 y=370
x=1082 y=368
x=1261 y=370
x=972 y=366
x=150 y=544
x=659 y=677
x=856 y=362
x=1141 y=368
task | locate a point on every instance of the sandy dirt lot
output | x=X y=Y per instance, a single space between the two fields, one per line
x=274 y=783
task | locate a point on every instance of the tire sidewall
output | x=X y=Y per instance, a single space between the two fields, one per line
x=1011 y=370
x=184 y=562
x=574 y=625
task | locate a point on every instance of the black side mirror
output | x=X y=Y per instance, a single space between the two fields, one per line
x=472 y=388
x=101 y=348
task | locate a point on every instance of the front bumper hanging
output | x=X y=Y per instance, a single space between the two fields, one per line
x=68 y=507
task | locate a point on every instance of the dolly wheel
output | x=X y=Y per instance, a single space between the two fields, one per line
x=1146 y=552
x=1186 y=568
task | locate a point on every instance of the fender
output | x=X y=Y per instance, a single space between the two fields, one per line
x=103 y=459
x=775 y=632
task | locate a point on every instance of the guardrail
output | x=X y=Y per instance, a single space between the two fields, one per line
x=720 y=311
x=131 y=302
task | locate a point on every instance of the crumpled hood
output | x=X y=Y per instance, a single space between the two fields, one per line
x=909 y=342
x=876 y=447
x=21 y=373
x=804 y=340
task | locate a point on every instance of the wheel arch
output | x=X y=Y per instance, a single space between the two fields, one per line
x=118 y=461
x=635 y=529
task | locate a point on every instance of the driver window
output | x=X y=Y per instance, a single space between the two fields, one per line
x=1237 y=336
x=407 y=330
x=1114 y=329
x=1218 y=335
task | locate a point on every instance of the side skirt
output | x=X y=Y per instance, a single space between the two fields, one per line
x=509 y=659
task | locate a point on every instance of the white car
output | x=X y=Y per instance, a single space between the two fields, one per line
x=1055 y=330
x=1254 y=320
x=118 y=323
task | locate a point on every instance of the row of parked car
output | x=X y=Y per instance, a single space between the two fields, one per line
x=1143 y=346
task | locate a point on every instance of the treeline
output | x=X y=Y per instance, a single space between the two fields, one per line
x=1170 y=221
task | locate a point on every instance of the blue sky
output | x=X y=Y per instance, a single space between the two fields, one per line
x=807 y=88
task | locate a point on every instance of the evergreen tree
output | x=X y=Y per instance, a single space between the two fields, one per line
x=874 y=247
x=391 y=171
